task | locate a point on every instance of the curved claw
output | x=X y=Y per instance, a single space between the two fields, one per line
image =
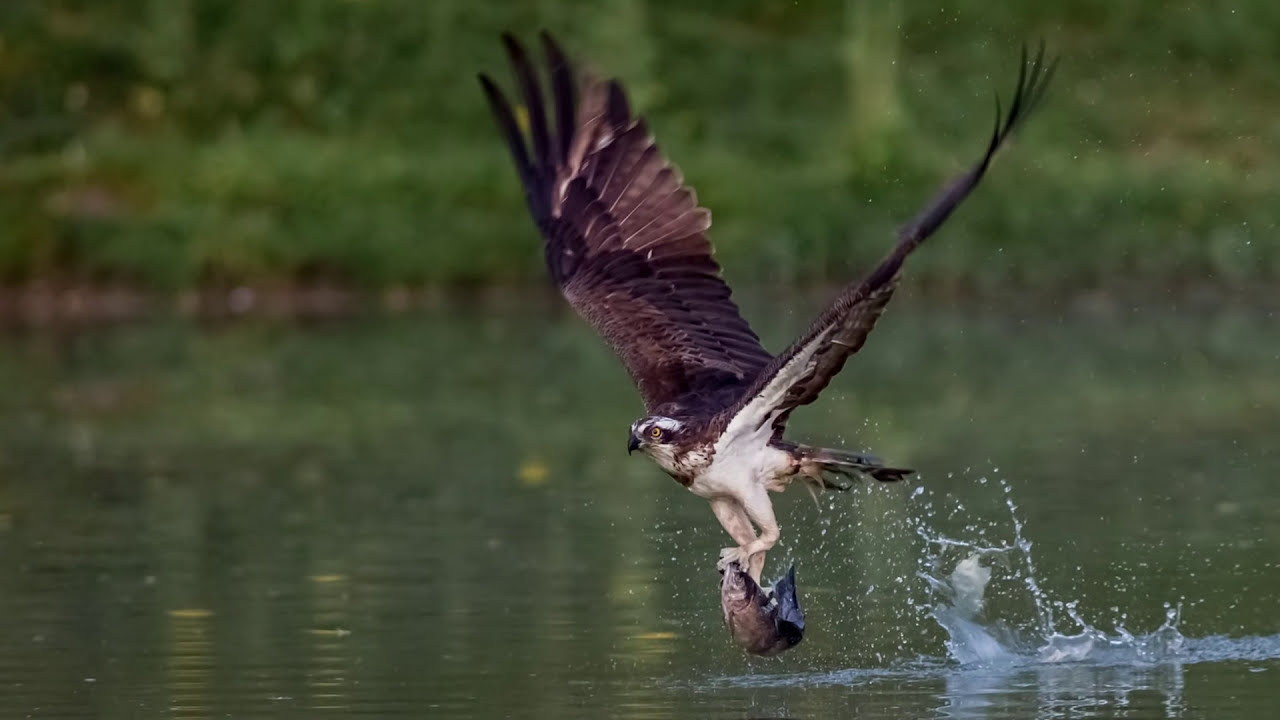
x=731 y=555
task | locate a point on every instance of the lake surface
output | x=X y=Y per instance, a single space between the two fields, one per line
x=433 y=515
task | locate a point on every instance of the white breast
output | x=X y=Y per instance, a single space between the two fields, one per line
x=740 y=462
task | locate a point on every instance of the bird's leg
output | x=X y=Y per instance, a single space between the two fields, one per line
x=755 y=567
x=734 y=519
x=751 y=554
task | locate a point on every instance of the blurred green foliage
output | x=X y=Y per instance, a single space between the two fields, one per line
x=175 y=143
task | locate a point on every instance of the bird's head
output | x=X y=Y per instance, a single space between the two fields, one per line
x=656 y=436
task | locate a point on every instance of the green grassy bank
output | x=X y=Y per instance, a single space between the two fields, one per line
x=171 y=144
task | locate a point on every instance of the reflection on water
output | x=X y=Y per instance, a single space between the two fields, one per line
x=190 y=661
x=327 y=682
x=1066 y=690
x=433 y=515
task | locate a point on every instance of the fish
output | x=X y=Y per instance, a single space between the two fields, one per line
x=761 y=622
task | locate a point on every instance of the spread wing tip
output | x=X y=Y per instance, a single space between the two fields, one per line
x=1033 y=81
x=564 y=94
x=537 y=149
x=624 y=237
x=510 y=129
x=550 y=45
x=512 y=44
x=843 y=327
x=1034 y=75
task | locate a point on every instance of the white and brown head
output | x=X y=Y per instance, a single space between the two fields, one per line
x=662 y=438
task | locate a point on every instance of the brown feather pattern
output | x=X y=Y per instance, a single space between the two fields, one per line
x=625 y=238
x=626 y=244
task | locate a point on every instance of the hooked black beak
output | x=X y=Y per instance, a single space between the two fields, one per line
x=633 y=442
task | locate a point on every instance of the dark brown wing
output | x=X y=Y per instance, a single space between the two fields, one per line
x=800 y=373
x=625 y=239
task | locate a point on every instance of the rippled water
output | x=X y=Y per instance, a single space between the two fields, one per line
x=434 y=516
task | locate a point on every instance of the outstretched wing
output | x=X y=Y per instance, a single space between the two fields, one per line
x=625 y=239
x=799 y=374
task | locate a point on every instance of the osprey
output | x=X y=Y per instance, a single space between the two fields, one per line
x=626 y=243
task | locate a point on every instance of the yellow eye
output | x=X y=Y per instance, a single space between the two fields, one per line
x=655 y=433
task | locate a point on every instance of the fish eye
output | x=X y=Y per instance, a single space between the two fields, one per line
x=656 y=432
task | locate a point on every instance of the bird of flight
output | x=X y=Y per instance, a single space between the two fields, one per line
x=626 y=243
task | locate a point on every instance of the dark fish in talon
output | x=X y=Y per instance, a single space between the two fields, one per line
x=760 y=622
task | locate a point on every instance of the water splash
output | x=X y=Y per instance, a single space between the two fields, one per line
x=958 y=573
x=1011 y=644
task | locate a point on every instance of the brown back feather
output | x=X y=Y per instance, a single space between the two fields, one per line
x=625 y=239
